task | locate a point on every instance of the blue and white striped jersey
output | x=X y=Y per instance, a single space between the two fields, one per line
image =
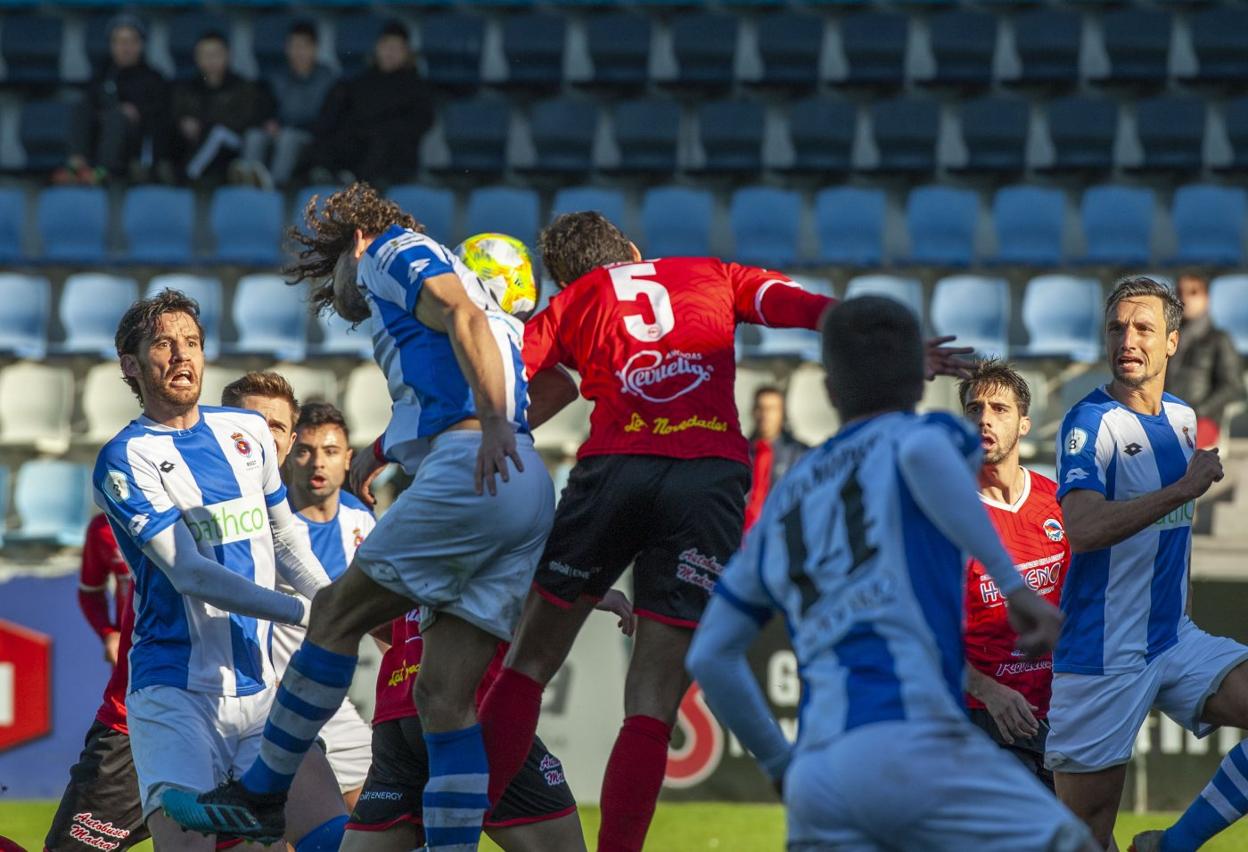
x=427 y=388
x=334 y=543
x=219 y=477
x=871 y=590
x=1124 y=604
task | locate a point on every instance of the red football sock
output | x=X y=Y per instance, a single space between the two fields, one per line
x=508 y=717
x=631 y=785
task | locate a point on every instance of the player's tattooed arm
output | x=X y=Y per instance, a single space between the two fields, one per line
x=296 y=562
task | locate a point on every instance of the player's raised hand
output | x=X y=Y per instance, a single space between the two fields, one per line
x=365 y=467
x=1013 y=713
x=1204 y=469
x=1036 y=621
x=617 y=602
x=943 y=360
x=498 y=443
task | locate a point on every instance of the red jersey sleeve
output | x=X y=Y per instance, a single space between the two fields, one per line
x=97 y=560
x=766 y=297
x=543 y=347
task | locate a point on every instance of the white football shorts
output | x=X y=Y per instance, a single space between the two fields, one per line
x=348 y=746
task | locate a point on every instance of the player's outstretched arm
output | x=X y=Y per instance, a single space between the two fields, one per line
x=296 y=562
x=174 y=551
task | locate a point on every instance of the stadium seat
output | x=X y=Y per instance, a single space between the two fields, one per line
x=761 y=341
x=72 y=223
x=563 y=434
x=1137 y=41
x=92 y=303
x=822 y=131
x=647 y=132
x=24 y=315
x=1063 y=316
x=995 y=132
x=850 y=224
x=36 y=404
x=207 y=292
x=1117 y=224
x=1029 y=222
x=452 y=44
x=563 y=131
x=963 y=42
x=53 y=503
x=608 y=202
x=976 y=309
x=533 y=47
x=1235 y=115
x=303 y=196
x=271 y=318
x=366 y=401
x=811 y=416
x=875 y=47
x=247 y=225
x=676 y=222
x=941 y=222
x=45 y=132
x=31 y=46
x=766 y=226
x=214 y=383
x=732 y=136
x=12 y=224
x=355 y=37
x=1047 y=41
x=158 y=222
x=1209 y=223
x=619 y=48
x=749 y=381
x=1220 y=41
x=433 y=207
x=908 y=291
x=108 y=404
x=790 y=45
x=476 y=134
x=339 y=338
x=705 y=46
x=1172 y=132
x=1083 y=131
x=906 y=129
x=268 y=41
x=1228 y=305
x=311 y=384
x=504 y=210
x=185 y=29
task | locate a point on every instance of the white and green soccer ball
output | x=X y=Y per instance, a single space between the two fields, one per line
x=503 y=264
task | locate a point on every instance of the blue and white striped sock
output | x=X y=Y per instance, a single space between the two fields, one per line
x=456 y=794
x=311 y=691
x=1221 y=803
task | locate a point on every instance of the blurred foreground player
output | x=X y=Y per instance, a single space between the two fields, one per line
x=860 y=548
x=101 y=560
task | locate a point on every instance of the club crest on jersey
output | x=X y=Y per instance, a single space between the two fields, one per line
x=241 y=444
x=357 y=536
x=1053 y=529
x=655 y=378
x=1075 y=441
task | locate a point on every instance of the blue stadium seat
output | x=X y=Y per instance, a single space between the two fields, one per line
x=45 y=131
x=705 y=45
x=822 y=131
x=506 y=210
x=92 y=304
x=619 y=48
x=1137 y=41
x=647 y=133
x=1209 y=223
x=247 y=225
x=207 y=292
x=760 y=341
x=875 y=47
x=339 y=338
x=24 y=315
x=732 y=136
x=268 y=41
x=790 y=45
x=608 y=202
x=766 y=226
x=1063 y=316
x=1117 y=224
x=533 y=46
x=1083 y=131
x=976 y=309
x=941 y=221
x=271 y=318
x=185 y=29
x=355 y=37
x=31 y=46
x=452 y=44
x=963 y=42
x=73 y=222
x=303 y=196
x=1220 y=40
x=12 y=224
x=1228 y=305
x=1047 y=40
x=1172 y=131
x=995 y=132
x=676 y=222
x=53 y=502
x=1235 y=116
x=906 y=129
x=476 y=134
x=850 y=224
x=433 y=207
x=908 y=291
x=1029 y=224
x=158 y=222
x=563 y=131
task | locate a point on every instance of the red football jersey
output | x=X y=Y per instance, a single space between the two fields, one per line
x=101 y=559
x=112 y=712
x=653 y=342
x=1033 y=535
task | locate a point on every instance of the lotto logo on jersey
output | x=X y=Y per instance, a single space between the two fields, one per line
x=658 y=378
x=231 y=520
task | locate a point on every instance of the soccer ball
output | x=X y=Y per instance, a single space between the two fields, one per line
x=504 y=267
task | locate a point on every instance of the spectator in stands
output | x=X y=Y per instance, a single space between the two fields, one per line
x=121 y=126
x=372 y=124
x=1205 y=371
x=299 y=91
x=773 y=449
x=102 y=559
x=214 y=110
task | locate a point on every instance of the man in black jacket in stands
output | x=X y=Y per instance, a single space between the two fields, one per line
x=1205 y=371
